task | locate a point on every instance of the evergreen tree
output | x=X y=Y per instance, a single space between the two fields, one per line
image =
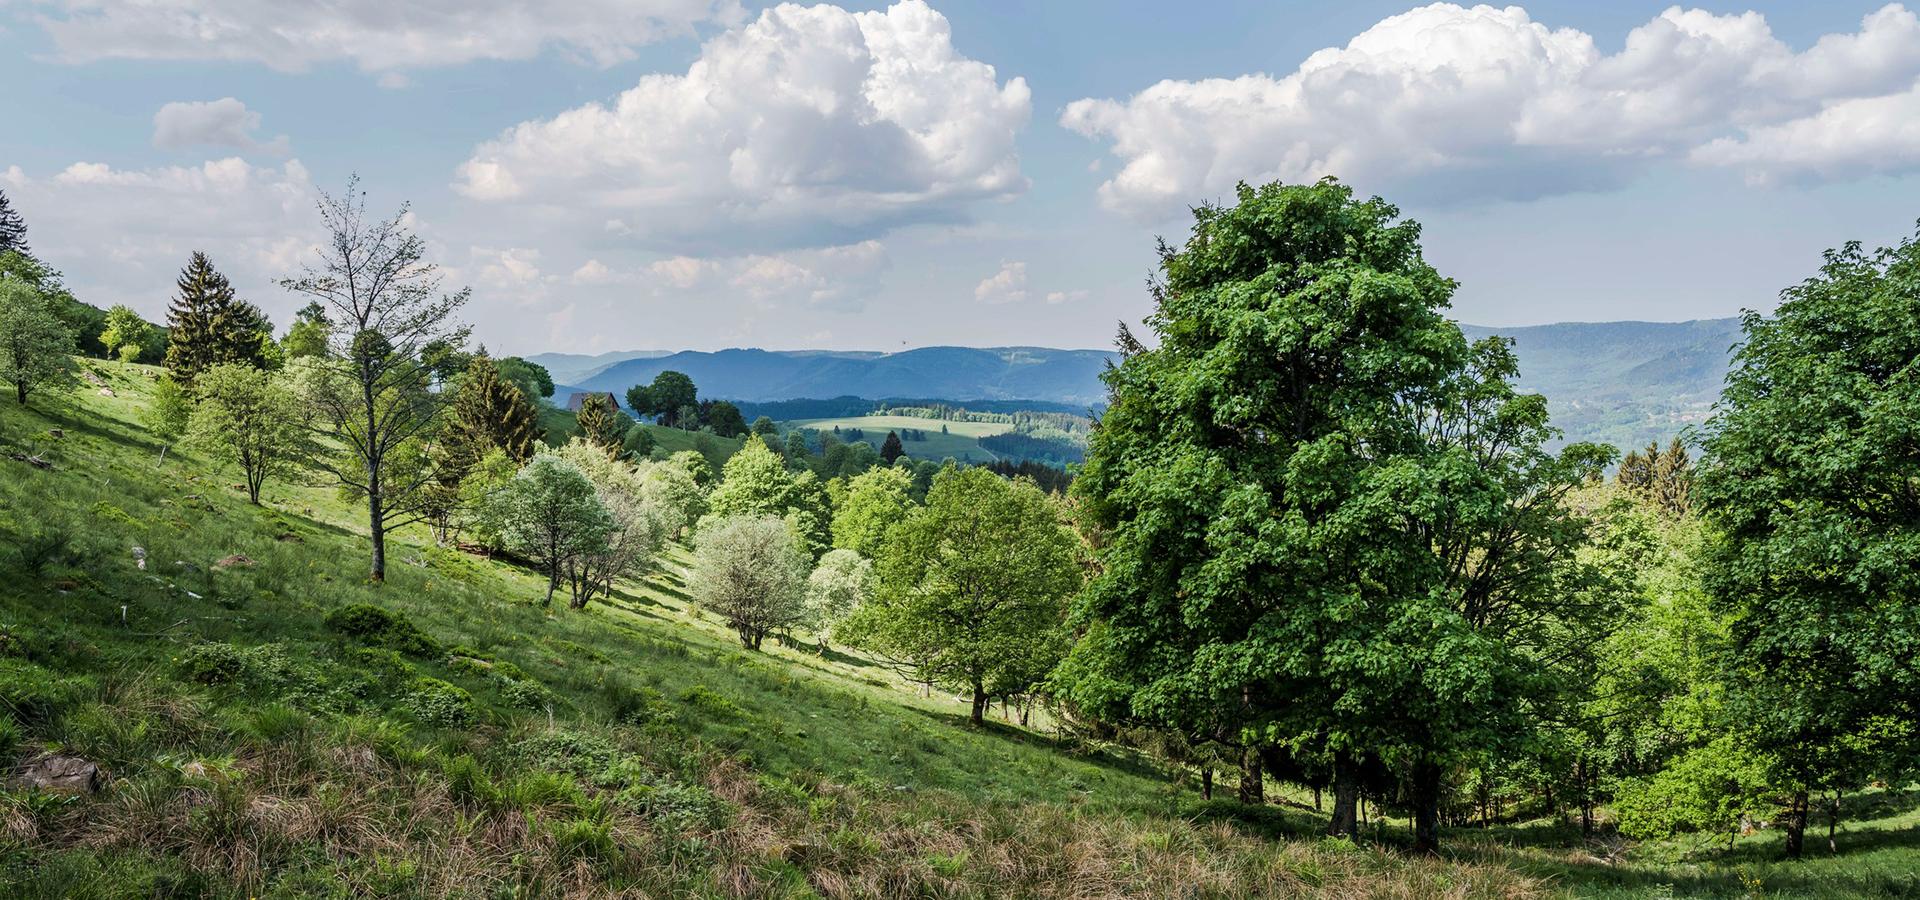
x=890 y=448
x=13 y=229
x=599 y=424
x=489 y=412
x=207 y=324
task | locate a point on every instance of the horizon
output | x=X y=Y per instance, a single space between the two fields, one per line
x=969 y=176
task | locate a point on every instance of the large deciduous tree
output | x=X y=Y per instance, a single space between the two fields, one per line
x=1328 y=531
x=126 y=333
x=875 y=501
x=551 y=514
x=377 y=391
x=971 y=589
x=670 y=394
x=1809 y=480
x=36 y=347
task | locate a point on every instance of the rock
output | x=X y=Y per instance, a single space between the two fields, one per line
x=62 y=774
x=92 y=378
x=236 y=561
x=56 y=433
x=140 y=558
x=106 y=392
x=290 y=537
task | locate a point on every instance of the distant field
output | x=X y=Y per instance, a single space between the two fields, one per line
x=960 y=442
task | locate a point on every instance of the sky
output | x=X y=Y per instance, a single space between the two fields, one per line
x=700 y=174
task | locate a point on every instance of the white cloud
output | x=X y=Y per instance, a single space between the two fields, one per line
x=1057 y=297
x=1455 y=103
x=1849 y=139
x=1009 y=285
x=225 y=122
x=121 y=235
x=375 y=35
x=811 y=126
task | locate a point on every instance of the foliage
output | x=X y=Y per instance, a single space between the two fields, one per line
x=208 y=324
x=252 y=419
x=876 y=501
x=971 y=589
x=531 y=378
x=13 y=229
x=600 y=423
x=1809 y=485
x=377 y=627
x=1665 y=476
x=551 y=513
x=723 y=417
x=35 y=346
x=643 y=521
x=838 y=587
x=670 y=394
x=309 y=334
x=126 y=334
x=749 y=571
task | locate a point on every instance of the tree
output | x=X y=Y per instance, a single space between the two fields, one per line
x=488 y=411
x=126 y=332
x=765 y=427
x=13 y=229
x=643 y=520
x=249 y=418
x=531 y=378
x=384 y=299
x=309 y=333
x=36 y=348
x=208 y=325
x=1664 y=476
x=1313 y=474
x=754 y=482
x=749 y=571
x=971 y=590
x=667 y=398
x=551 y=514
x=723 y=417
x=890 y=448
x=600 y=423
x=797 y=452
x=170 y=413
x=1808 y=486
x=876 y=501
x=836 y=589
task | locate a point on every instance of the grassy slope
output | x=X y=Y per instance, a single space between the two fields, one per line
x=960 y=442
x=672 y=761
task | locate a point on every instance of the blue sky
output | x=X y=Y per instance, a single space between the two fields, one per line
x=614 y=174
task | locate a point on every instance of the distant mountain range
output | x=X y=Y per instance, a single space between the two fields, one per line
x=1623 y=383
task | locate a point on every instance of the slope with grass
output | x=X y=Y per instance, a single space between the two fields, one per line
x=268 y=723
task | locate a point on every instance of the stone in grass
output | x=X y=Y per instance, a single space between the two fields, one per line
x=61 y=774
x=236 y=561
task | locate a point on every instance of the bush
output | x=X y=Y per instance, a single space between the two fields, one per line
x=526 y=694
x=372 y=625
x=712 y=702
x=436 y=702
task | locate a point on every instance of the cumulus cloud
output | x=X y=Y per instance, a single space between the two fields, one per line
x=256 y=222
x=375 y=35
x=1009 y=285
x=225 y=122
x=1450 y=103
x=810 y=126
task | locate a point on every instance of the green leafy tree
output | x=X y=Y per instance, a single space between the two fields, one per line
x=971 y=590
x=1314 y=474
x=669 y=397
x=749 y=571
x=309 y=334
x=551 y=514
x=36 y=348
x=377 y=390
x=126 y=333
x=765 y=427
x=531 y=378
x=799 y=455
x=250 y=418
x=754 y=482
x=13 y=229
x=838 y=587
x=1808 y=483
x=169 y=414
x=876 y=500
x=643 y=520
x=723 y=417
x=638 y=441
x=698 y=465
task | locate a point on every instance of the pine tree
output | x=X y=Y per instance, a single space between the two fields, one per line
x=598 y=424
x=13 y=229
x=208 y=325
x=488 y=412
x=890 y=448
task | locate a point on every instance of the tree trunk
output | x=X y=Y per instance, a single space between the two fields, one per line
x=553 y=581
x=1253 y=787
x=979 y=715
x=1833 y=822
x=20 y=392
x=377 y=527
x=1425 y=795
x=1346 y=796
x=1316 y=798
x=1796 y=824
x=1206 y=782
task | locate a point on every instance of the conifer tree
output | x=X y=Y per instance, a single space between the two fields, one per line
x=208 y=325
x=13 y=229
x=488 y=412
x=599 y=425
x=890 y=449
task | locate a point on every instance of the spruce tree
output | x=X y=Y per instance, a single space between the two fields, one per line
x=599 y=425
x=208 y=325
x=13 y=229
x=488 y=412
x=890 y=448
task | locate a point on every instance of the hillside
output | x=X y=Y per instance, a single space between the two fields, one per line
x=250 y=742
x=1623 y=383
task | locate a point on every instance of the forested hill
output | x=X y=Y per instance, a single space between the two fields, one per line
x=1623 y=383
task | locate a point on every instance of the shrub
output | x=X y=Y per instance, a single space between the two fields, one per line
x=468 y=781
x=712 y=702
x=526 y=694
x=372 y=625
x=436 y=702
